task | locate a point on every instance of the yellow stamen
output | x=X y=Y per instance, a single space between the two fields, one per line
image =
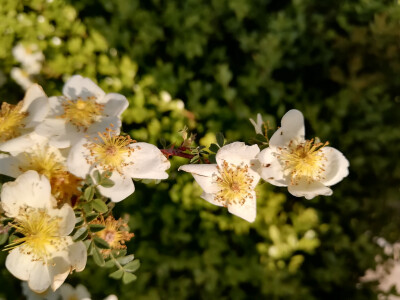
x=110 y=151
x=82 y=113
x=41 y=233
x=11 y=121
x=303 y=161
x=235 y=183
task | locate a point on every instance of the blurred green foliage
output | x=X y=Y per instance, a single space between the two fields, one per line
x=336 y=61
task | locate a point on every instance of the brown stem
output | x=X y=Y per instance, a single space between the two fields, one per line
x=179 y=152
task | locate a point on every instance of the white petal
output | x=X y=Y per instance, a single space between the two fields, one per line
x=148 y=162
x=77 y=163
x=271 y=170
x=210 y=197
x=60 y=134
x=237 y=153
x=29 y=189
x=59 y=269
x=292 y=128
x=67 y=223
x=80 y=87
x=9 y=166
x=56 y=108
x=36 y=104
x=39 y=277
x=114 y=103
x=336 y=167
x=246 y=211
x=122 y=188
x=19 y=264
x=77 y=255
x=101 y=126
x=309 y=190
x=22 y=143
x=204 y=176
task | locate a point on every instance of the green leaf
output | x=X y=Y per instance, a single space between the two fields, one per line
x=80 y=234
x=212 y=158
x=90 y=248
x=3 y=238
x=119 y=252
x=98 y=257
x=87 y=208
x=125 y=259
x=89 y=193
x=99 y=242
x=96 y=175
x=128 y=278
x=220 y=139
x=96 y=227
x=261 y=138
x=89 y=180
x=78 y=221
x=117 y=274
x=109 y=263
x=132 y=266
x=106 y=174
x=90 y=217
x=107 y=183
x=214 y=148
x=100 y=206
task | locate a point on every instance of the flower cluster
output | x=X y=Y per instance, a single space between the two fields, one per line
x=69 y=161
x=71 y=164
x=307 y=167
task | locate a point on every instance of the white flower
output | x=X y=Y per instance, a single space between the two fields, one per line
x=30 y=57
x=68 y=292
x=307 y=168
x=20 y=119
x=84 y=110
x=120 y=155
x=45 y=255
x=33 y=152
x=231 y=181
x=258 y=126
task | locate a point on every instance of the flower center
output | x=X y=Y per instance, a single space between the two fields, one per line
x=110 y=151
x=45 y=161
x=303 y=161
x=235 y=183
x=82 y=113
x=41 y=233
x=115 y=234
x=11 y=121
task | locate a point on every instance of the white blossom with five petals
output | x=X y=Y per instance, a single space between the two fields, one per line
x=44 y=255
x=84 y=110
x=306 y=167
x=231 y=181
x=125 y=158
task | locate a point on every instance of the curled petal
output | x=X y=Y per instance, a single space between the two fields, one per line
x=337 y=166
x=292 y=128
x=309 y=190
x=203 y=174
x=122 y=188
x=80 y=87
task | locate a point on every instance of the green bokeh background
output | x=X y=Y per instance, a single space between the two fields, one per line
x=227 y=60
